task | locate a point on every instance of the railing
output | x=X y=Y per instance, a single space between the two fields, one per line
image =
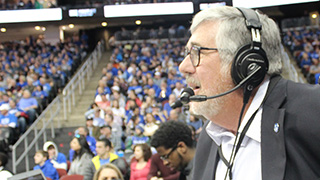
x=78 y=80
x=39 y=128
x=38 y=133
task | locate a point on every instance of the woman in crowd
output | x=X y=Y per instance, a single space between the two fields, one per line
x=151 y=125
x=108 y=172
x=82 y=155
x=140 y=163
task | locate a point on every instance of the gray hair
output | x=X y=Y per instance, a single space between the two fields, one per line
x=233 y=34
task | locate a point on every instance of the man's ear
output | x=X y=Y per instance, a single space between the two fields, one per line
x=182 y=147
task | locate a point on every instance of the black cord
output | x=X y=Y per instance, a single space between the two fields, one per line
x=232 y=157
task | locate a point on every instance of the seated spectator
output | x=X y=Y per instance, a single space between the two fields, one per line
x=137 y=138
x=91 y=141
x=305 y=63
x=141 y=162
x=146 y=106
x=90 y=112
x=4 y=172
x=22 y=82
x=108 y=171
x=197 y=124
x=159 y=171
x=57 y=77
x=166 y=107
x=94 y=131
x=42 y=162
x=57 y=158
x=8 y=123
x=104 y=103
x=46 y=86
x=29 y=105
x=118 y=112
x=151 y=125
x=97 y=120
x=5 y=98
x=132 y=96
x=158 y=114
x=82 y=155
x=105 y=156
x=178 y=89
x=40 y=95
x=106 y=132
x=103 y=88
x=20 y=114
x=134 y=111
x=116 y=128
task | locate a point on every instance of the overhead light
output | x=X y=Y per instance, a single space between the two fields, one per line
x=71 y=26
x=104 y=24
x=138 y=22
x=43 y=28
x=63 y=28
x=37 y=28
x=314 y=15
x=3 y=30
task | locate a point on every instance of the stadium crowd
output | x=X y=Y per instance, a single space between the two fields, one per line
x=304 y=45
x=32 y=72
x=132 y=100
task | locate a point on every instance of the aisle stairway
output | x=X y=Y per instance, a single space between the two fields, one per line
x=76 y=117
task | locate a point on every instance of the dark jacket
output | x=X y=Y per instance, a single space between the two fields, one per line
x=291 y=153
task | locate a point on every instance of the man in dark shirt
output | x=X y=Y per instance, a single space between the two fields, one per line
x=173 y=142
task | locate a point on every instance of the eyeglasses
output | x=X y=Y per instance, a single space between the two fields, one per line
x=166 y=157
x=195 y=54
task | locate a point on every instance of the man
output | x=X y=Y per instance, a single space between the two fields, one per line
x=57 y=158
x=29 y=105
x=42 y=162
x=20 y=114
x=104 y=156
x=106 y=132
x=173 y=142
x=8 y=123
x=282 y=114
x=91 y=140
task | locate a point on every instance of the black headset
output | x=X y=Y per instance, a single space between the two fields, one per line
x=251 y=56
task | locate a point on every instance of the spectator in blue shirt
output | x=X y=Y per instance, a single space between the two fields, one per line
x=20 y=114
x=57 y=158
x=8 y=122
x=90 y=140
x=40 y=95
x=41 y=159
x=29 y=105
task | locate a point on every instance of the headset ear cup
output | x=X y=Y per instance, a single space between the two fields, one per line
x=245 y=61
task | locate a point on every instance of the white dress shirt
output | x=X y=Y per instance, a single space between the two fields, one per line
x=247 y=164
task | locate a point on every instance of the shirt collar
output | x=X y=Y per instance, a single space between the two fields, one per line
x=217 y=132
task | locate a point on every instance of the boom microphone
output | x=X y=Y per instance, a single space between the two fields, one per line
x=200 y=98
x=184 y=98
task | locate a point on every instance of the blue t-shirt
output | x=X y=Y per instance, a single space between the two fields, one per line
x=61 y=158
x=24 y=103
x=48 y=170
x=104 y=161
x=9 y=119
